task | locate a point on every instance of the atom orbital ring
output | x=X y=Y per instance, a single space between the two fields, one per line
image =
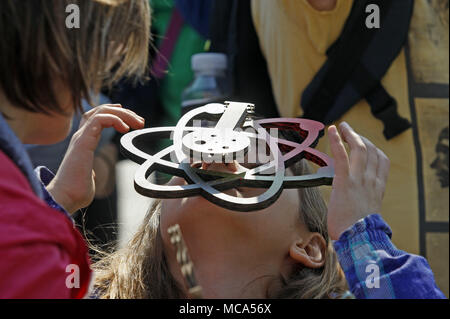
x=226 y=139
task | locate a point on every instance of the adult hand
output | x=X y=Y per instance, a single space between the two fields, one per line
x=73 y=187
x=359 y=182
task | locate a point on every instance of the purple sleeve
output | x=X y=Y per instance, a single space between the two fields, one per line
x=45 y=176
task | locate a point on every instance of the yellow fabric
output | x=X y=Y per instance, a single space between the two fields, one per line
x=294 y=38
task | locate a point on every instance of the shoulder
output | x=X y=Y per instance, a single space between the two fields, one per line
x=18 y=203
x=24 y=216
x=30 y=229
x=12 y=181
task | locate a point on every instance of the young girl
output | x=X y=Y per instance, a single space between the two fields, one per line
x=46 y=69
x=283 y=251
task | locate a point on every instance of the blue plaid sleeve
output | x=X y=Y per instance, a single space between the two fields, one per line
x=376 y=269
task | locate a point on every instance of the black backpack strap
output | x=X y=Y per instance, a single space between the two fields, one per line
x=356 y=63
x=343 y=57
x=382 y=105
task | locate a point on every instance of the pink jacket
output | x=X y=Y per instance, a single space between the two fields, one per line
x=42 y=254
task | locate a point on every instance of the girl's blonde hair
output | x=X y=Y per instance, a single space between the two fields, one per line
x=140 y=270
x=325 y=282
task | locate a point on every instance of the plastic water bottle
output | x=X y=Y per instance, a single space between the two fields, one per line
x=210 y=84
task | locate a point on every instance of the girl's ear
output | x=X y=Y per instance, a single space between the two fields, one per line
x=309 y=251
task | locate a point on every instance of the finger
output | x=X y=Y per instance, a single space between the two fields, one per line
x=383 y=166
x=341 y=162
x=372 y=159
x=132 y=119
x=100 y=121
x=358 y=150
x=87 y=137
x=129 y=117
x=87 y=115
